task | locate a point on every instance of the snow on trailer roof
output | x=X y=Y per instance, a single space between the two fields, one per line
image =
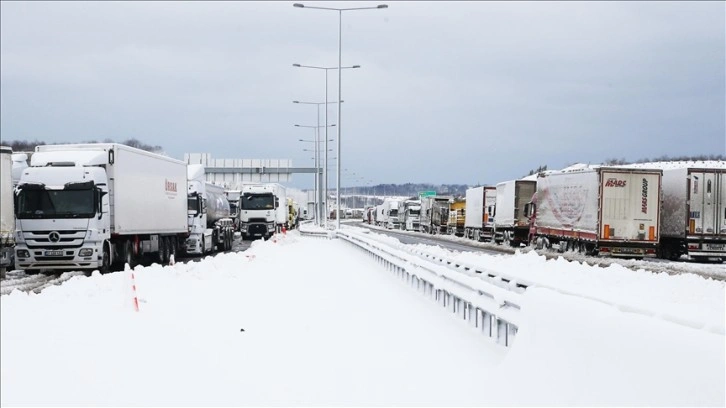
x=666 y=165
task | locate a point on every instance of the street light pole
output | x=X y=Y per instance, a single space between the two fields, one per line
x=340 y=95
x=325 y=170
x=317 y=189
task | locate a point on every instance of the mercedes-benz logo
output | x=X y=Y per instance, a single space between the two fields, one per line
x=54 y=236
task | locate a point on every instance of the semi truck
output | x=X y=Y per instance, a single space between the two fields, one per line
x=480 y=204
x=391 y=207
x=91 y=206
x=597 y=210
x=208 y=215
x=261 y=210
x=457 y=218
x=511 y=227
x=7 y=215
x=411 y=213
x=694 y=211
x=434 y=214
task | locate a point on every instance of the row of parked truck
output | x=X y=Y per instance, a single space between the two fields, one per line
x=666 y=210
x=101 y=205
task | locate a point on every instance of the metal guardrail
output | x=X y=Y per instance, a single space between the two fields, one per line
x=490 y=304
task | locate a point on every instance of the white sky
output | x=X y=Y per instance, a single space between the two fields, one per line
x=326 y=325
x=448 y=92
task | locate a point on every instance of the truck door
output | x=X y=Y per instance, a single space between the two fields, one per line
x=708 y=199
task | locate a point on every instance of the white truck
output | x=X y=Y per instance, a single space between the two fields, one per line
x=89 y=206
x=7 y=216
x=261 y=210
x=598 y=210
x=510 y=225
x=694 y=211
x=391 y=207
x=208 y=214
x=479 y=221
x=409 y=215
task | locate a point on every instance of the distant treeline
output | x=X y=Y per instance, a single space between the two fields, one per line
x=27 y=146
x=613 y=162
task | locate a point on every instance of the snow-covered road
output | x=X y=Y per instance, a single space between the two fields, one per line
x=306 y=321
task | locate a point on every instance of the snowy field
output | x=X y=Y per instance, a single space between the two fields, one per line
x=307 y=321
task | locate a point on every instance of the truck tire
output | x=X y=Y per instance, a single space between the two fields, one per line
x=171 y=249
x=105 y=261
x=160 y=252
x=129 y=256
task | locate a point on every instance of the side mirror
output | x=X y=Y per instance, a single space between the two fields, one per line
x=99 y=196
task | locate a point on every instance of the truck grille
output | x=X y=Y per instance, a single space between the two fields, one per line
x=257 y=229
x=63 y=239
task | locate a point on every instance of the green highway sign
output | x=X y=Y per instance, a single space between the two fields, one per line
x=422 y=194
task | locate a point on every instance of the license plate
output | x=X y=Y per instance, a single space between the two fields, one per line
x=716 y=247
x=53 y=253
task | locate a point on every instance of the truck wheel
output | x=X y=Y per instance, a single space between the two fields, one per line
x=171 y=249
x=167 y=254
x=105 y=261
x=162 y=249
x=129 y=254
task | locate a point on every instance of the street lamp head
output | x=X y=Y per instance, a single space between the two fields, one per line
x=300 y=5
x=297 y=125
x=296 y=65
x=379 y=6
x=295 y=101
x=355 y=66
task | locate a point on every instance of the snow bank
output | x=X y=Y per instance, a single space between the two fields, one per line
x=306 y=321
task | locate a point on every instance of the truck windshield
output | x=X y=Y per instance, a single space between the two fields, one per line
x=393 y=213
x=257 y=201
x=192 y=205
x=37 y=203
x=414 y=212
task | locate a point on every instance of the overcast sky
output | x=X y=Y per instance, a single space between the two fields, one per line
x=448 y=92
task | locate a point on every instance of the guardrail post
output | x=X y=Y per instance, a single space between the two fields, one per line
x=486 y=319
x=502 y=332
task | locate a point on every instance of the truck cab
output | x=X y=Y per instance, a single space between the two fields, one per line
x=62 y=218
x=257 y=211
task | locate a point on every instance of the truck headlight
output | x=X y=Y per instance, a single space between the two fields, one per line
x=85 y=252
x=23 y=253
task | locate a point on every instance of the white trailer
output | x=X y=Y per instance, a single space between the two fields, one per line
x=605 y=210
x=510 y=224
x=479 y=221
x=208 y=214
x=282 y=215
x=88 y=206
x=694 y=211
x=381 y=215
x=7 y=216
